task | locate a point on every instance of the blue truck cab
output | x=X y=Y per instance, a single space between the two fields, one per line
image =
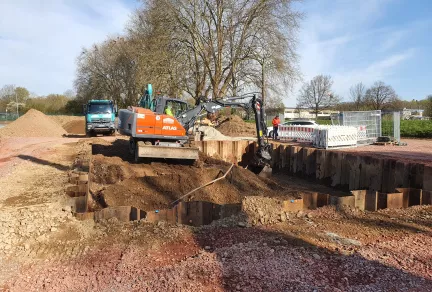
x=100 y=117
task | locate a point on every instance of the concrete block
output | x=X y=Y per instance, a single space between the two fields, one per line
x=427 y=178
x=342 y=201
x=292 y=205
x=315 y=200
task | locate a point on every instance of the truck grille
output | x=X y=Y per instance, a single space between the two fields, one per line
x=106 y=120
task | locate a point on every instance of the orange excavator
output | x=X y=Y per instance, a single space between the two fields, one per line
x=159 y=127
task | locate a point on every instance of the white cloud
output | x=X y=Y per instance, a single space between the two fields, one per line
x=40 y=40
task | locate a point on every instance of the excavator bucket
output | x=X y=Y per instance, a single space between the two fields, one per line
x=266 y=172
x=262 y=170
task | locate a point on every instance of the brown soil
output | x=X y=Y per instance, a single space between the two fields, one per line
x=43 y=248
x=33 y=124
x=156 y=185
x=71 y=124
x=234 y=126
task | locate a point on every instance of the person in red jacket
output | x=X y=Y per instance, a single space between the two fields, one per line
x=275 y=123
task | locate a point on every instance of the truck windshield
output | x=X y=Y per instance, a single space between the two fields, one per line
x=99 y=109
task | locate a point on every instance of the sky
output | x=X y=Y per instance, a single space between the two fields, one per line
x=351 y=40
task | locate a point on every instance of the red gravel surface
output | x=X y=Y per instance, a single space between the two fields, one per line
x=417 y=150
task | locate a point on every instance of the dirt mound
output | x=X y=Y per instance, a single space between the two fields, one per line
x=211 y=133
x=155 y=185
x=33 y=124
x=71 y=124
x=75 y=127
x=234 y=126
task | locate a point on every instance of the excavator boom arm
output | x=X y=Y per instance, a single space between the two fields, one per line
x=188 y=118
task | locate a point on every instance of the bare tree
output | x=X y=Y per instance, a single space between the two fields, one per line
x=357 y=94
x=274 y=105
x=317 y=94
x=222 y=36
x=380 y=95
x=109 y=70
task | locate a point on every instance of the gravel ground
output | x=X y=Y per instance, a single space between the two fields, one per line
x=43 y=248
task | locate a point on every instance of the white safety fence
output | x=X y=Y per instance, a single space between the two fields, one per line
x=335 y=136
x=322 y=136
x=299 y=133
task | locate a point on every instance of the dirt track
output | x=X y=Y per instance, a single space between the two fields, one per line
x=42 y=247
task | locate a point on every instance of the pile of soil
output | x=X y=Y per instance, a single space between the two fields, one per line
x=71 y=124
x=211 y=133
x=234 y=126
x=154 y=186
x=33 y=124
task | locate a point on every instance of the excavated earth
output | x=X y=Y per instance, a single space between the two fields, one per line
x=154 y=186
x=44 y=248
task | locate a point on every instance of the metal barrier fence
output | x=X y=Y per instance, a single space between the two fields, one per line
x=299 y=133
x=335 y=136
x=8 y=116
x=369 y=121
x=390 y=122
x=323 y=136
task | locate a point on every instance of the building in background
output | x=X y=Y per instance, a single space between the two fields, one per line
x=291 y=113
x=412 y=114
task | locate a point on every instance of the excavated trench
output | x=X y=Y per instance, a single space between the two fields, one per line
x=116 y=187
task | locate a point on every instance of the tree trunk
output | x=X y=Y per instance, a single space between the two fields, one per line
x=263 y=83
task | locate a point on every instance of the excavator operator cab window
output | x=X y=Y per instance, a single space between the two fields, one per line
x=175 y=108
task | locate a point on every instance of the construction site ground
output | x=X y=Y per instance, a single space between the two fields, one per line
x=416 y=150
x=43 y=247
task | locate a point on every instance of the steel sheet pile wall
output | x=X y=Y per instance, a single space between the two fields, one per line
x=336 y=168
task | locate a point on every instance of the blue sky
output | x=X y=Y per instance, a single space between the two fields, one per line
x=351 y=40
